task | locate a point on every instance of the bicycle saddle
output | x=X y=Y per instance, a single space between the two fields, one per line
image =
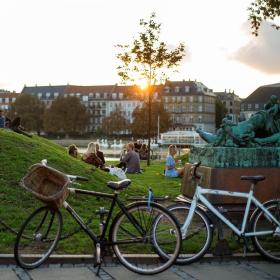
x=120 y=185
x=253 y=179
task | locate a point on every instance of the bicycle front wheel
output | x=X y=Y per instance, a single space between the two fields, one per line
x=133 y=237
x=199 y=235
x=267 y=244
x=38 y=237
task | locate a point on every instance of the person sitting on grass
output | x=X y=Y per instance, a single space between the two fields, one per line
x=90 y=156
x=143 y=152
x=131 y=159
x=170 y=169
x=73 y=151
x=99 y=153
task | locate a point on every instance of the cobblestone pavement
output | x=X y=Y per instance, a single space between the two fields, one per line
x=232 y=270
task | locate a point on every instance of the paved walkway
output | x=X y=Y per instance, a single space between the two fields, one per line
x=232 y=270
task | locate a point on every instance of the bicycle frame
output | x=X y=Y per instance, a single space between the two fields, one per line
x=200 y=196
x=115 y=200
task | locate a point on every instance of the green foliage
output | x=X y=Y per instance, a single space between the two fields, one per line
x=148 y=58
x=221 y=112
x=262 y=10
x=66 y=115
x=30 y=109
x=115 y=123
x=140 y=120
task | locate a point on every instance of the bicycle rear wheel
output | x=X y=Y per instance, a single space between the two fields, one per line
x=38 y=237
x=267 y=245
x=199 y=235
x=132 y=236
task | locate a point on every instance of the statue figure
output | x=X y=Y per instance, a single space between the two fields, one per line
x=262 y=128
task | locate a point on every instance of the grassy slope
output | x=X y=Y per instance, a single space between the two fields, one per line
x=18 y=152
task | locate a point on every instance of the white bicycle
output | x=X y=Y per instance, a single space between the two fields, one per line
x=197 y=229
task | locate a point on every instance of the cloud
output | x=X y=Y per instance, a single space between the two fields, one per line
x=262 y=52
x=188 y=55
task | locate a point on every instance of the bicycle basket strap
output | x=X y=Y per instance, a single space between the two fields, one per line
x=47 y=184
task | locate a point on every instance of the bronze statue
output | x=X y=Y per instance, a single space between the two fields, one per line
x=262 y=128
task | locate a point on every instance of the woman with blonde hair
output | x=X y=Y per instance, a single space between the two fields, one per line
x=170 y=169
x=90 y=156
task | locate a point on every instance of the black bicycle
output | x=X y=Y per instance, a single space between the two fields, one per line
x=132 y=234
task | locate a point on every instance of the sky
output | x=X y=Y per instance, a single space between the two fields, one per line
x=73 y=41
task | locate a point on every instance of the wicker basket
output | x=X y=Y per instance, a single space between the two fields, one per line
x=47 y=184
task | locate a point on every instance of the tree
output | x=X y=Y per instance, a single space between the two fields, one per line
x=67 y=115
x=159 y=117
x=221 y=112
x=30 y=110
x=148 y=59
x=115 y=123
x=262 y=10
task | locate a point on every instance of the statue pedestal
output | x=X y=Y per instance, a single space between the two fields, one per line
x=220 y=157
x=222 y=168
x=228 y=179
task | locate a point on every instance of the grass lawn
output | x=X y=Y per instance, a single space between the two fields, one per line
x=18 y=152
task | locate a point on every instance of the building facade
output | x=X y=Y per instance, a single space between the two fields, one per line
x=190 y=104
x=100 y=101
x=232 y=102
x=257 y=100
x=6 y=99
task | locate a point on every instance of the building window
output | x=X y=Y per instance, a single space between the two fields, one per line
x=55 y=94
x=120 y=95
x=97 y=95
x=257 y=106
x=177 y=89
x=187 y=89
x=166 y=89
x=114 y=95
x=200 y=99
x=249 y=106
x=191 y=98
x=200 y=108
x=85 y=98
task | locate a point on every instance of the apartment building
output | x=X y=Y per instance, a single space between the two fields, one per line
x=190 y=104
x=6 y=99
x=100 y=101
x=232 y=102
x=257 y=99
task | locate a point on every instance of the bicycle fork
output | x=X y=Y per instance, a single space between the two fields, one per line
x=184 y=228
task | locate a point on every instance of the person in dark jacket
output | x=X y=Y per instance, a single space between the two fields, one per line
x=99 y=153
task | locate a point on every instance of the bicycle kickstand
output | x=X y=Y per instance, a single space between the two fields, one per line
x=97 y=262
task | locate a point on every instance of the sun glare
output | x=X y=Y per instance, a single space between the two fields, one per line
x=142 y=84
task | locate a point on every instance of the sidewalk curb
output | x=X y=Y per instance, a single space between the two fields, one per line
x=8 y=259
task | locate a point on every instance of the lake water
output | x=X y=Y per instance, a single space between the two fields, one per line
x=114 y=154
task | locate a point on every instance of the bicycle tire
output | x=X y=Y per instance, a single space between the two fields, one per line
x=267 y=245
x=141 y=257
x=38 y=237
x=199 y=236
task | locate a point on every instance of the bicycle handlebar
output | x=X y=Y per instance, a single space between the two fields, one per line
x=71 y=177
